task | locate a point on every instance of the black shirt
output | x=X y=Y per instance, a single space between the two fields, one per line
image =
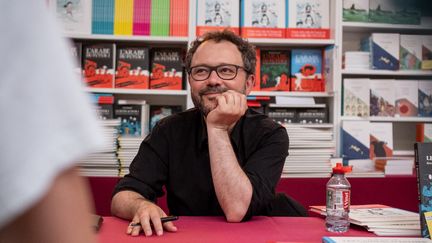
x=176 y=155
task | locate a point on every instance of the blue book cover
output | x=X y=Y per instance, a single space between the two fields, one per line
x=425 y=98
x=385 y=51
x=306 y=70
x=103 y=17
x=355 y=139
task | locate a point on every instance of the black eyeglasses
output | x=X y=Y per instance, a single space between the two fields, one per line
x=225 y=72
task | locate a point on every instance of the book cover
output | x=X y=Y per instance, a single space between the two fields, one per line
x=275 y=66
x=141 y=17
x=312 y=115
x=104 y=105
x=306 y=70
x=134 y=117
x=166 y=68
x=158 y=112
x=179 y=18
x=160 y=17
x=381 y=139
x=425 y=98
x=328 y=64
x=382 y=97
x=356 y=97
x=426 y=52
x=385 y=51
x=283 y=115
x=217 y=15
x=406 y=97
x=76 y=51
x=423 y=162
x=407 y=12
x=424 y=132
x=99 y=65
x=308 y=19
x=410 y=52
x=74 y=15
x=123 y=17
x=257 y=83
x=132 y=69
x=103 y=17
x=355 y=10
x=382 y=11
x=263 y=19
x=355 y=139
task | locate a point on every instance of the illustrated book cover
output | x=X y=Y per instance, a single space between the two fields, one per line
x=217 y=15
x=134 y=117
x=99 y=65
x=166 y=68
x=385 y=51
x=406 y=97
x=275 y=67
x=308 y=19
x=307 y=70
x=382 y=97
x=410 y=52
x=381 y=140
x=158 y=112
x=132 y=69
x=356 y=97
x=355 y=139
x=425 y=98
x=423 y=162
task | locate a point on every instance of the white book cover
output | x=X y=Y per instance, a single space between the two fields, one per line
x=74 y=15
x=382 y=97
x=308 y=19
x=426 y=52
x=381 y=139
x=410 y=52
x=263 y=19
x=217 y=14
x=385 y=51
x=356 y=10
x=427 y=132
x=356 y=97
x=355 y=139
x=406 y=97
x=382 y=11
x=425 y=98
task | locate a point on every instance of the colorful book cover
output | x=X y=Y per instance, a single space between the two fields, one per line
x=406 y=97
x=257 y=83
x=275 y=66
x=179 y=18
x=355 y=139
x=355 y=10
x=426 y=52
x=381 y=139
x=407 y=12
x=141 y=17
x=217 y=15
x=134 y=117
x=74 y=15
x=166 y=68
x=382 y=11
x=424 y=132
x=99 y=65
x=356 y=97
x=132 y=69
x=385 y=51
x=263 y=19
x=410 y=52
x=76 y=51
x=425 y=98
x=423 y=162
x=306 y=70
x=103 y=17
x=382 y=97
x=308 y=19
x=158 y=112
x=123 y=17
x=104 y=105
x=160 y=17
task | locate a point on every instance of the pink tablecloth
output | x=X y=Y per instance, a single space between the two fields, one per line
x=217 y=230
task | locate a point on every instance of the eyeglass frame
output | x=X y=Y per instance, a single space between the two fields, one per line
x=214 y=68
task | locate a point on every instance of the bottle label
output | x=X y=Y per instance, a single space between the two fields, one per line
x=338 y=199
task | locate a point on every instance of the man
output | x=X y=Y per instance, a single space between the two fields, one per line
x=219 y=158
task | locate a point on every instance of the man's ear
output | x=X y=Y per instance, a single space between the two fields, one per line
x=250 y=82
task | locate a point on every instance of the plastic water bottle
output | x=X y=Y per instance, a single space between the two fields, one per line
x=338 y=200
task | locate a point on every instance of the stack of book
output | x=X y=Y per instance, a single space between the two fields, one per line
x=380 y=219
x=356 y=60
x=128 y=148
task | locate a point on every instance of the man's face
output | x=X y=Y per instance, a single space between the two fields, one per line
x=213 y=54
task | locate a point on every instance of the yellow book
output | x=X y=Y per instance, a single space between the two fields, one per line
x=123 y=17
x=428 y=217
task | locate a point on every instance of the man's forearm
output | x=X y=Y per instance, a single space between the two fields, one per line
x=232 y=186
x=124 y=204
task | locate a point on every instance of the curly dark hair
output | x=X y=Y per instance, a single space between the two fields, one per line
x=246 y=49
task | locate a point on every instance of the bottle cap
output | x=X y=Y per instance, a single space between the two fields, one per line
x=339 y=169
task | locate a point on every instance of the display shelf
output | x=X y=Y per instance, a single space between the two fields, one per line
x=138 y=91
x=403 y=152
x=131 y=38
x=293 y=94
x=365 y=27
x=291 y=42
x=323 y=125
x=387 y=119
x=371 y=72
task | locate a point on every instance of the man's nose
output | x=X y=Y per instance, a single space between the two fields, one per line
x=214 y=79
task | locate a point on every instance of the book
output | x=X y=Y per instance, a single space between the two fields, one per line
x=425 y=98
x=382 y=97
x=406 y=12
x=424 y=132
x=381 y=139
x=312 y=115
x=307 y=70
x=382 y=11
x=103 y=17
x=134 y=116
x=132 y=69
x=179 y=18
x=406 y=98
x=423 y=163
x=217 y=15
x=141 y=17
x=355 y=139
x=355 y=10
x=76 y=51
x=410 y=52
x=160 y=17
x=166 y=68
x=123 y=17
x=74 y=15
x=308 y=19
x=99 y=62
x=263 y=19
x=356 y=97
x=275 y=67
x=385 y=51
x=426 y=63
x=158 y=112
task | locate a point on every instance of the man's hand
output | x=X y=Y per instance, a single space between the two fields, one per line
x=231 y=106
x=148 y=214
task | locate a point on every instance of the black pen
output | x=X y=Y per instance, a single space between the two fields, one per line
x=163 y=220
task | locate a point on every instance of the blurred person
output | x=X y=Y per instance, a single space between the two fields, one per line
x=46 y=125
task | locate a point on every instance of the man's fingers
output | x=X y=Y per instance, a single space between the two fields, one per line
x=157 y=224
x=169 y=226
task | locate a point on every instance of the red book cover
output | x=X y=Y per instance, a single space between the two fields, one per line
x=141 y=17
x=275 y=67
x=166 y=68
x=256 y=86
x=179 y=17
x=132 y=70
x=99 y=65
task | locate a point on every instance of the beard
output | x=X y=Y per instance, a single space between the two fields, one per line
x=207 y=105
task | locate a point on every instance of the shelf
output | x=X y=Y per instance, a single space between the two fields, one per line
x=291 y=42
x=403 y=152
x=132 y=38
x=388 y=119
x=138 y=91
x=364 y=27
x=292 y=94
x=387 y=72
x=297 y=125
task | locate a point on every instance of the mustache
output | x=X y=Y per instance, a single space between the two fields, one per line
x=212 y=89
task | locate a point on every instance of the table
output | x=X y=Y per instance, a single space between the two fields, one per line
x=216 y=230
